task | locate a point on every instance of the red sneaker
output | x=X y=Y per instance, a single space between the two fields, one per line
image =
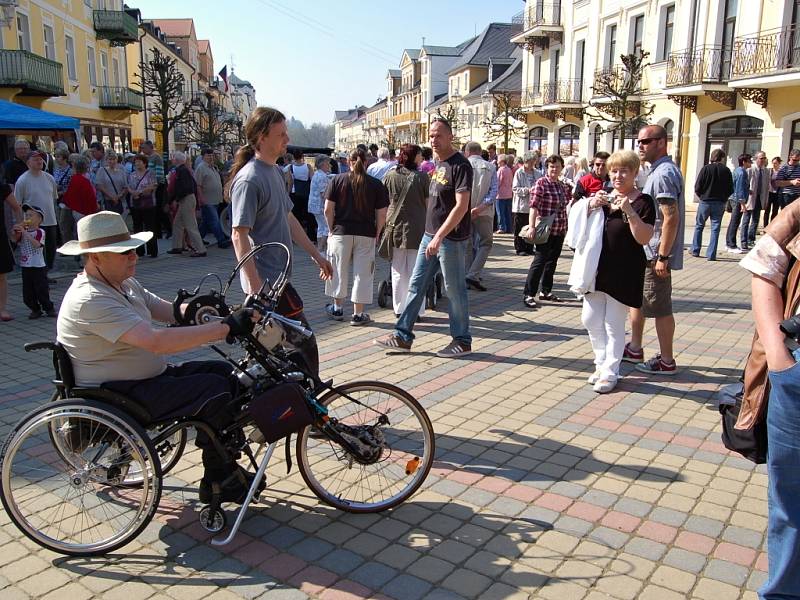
x=632 y=356
x=657 y=366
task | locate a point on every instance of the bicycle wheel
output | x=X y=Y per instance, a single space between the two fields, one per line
x=401 y=450
x=73 y=498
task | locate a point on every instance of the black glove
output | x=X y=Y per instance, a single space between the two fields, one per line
x=240 y=322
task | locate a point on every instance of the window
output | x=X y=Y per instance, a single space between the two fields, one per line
x=23 y=32
x=611 y=45
x=555 y=66
x=104 y=68
x=69 y=44
x=728 y=33
x=580 y=49
x=735 y=135
x=92 y=65
x=537 y=72
x=668 y=27
x=638 y=34
x=537 y=140
x=49 y=43
x=115 y=71
x=568 y=140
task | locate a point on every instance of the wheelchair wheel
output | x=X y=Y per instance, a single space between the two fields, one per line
x=384 y=293
x=401 y=450
x=72 y=498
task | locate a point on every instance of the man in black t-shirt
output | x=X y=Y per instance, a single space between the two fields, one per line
x=447 y=230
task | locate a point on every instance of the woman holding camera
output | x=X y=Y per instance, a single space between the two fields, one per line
x=619 y=284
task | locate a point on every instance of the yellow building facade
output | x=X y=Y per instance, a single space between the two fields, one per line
x=69 y=58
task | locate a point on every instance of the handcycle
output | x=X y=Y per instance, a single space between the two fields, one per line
x=82 y=475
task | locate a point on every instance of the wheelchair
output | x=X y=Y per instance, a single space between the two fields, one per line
x=83 y=474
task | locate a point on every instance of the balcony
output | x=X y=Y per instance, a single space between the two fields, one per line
x=696 y=70
x=531 y=98
x=541 y=24
x=405 y=88
x=34 y=74
x=121 y=98
x=406 y=118
x=768 y=59
x=564 y=93
x=117 y=26
x=617 y=78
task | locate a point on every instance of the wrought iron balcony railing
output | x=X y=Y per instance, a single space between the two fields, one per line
x=563 y=91
x=769 y=53
x=542 y=13
x=117 y=26
x=36 y=75
x=695 y=66
x=531 y=96
x=121 y=97
x=616 y=77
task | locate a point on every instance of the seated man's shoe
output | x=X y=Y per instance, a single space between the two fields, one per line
x=234 y=491
x=475 y=284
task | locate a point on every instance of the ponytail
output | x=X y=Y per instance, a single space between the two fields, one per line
x=243 y=156
x=358 y=178
x=261 y=119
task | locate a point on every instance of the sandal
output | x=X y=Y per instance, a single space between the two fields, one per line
x=5 y=317
x=550 y=297
x=530 y=302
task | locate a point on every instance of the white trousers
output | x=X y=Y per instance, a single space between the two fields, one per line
x=356 y=252
x=403 y=261
x=604 y=319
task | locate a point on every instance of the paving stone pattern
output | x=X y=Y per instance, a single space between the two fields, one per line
x=540 y=489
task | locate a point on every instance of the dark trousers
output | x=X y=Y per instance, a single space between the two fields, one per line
x=520 y=244
x=50 y=244
x=733 y=225
x=543 y=267
x=201 y=389
x=755 y=217
x=163 y=222
x=307 y=220
x=35 y=293
x=146 y=219
x=774 y=206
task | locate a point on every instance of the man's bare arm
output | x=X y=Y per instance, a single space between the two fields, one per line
x=173 y=340
x=768 y=313
x=240 y=236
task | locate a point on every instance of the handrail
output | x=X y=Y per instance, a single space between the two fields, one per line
x=766 y=53
x=31 y=72
x=702 y=64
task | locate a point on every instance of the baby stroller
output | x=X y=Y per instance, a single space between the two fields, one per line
x=433 y=295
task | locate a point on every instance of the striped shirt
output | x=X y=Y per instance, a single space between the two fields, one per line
x=788 y=172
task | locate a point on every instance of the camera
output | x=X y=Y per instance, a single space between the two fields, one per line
x=791 y=328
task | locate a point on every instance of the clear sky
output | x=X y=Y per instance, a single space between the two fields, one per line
x=311 y=58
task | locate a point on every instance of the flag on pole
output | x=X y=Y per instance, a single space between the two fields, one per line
x=223 y=74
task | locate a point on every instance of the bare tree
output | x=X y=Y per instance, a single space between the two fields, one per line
x=170 y=108
x=451 y=115
x=211 y=125
x=507 y=120
x=618 y=96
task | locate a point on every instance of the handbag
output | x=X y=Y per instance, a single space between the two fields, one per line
x=280 y=411
x=386 y=246
x=750 y=443
x=541 y=233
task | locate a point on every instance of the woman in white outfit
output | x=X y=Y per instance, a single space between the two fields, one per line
x=629 y=219
x=405 y=223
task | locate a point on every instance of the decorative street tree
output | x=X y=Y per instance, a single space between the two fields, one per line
x=507 y=120
x=618 y=95
x=451 y=115
x=170 y=108
x=211 y=125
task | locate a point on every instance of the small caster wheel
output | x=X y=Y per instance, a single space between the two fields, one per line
x=384 y=291
x=212 y=521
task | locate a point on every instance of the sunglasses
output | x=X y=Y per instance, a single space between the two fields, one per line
x=647 y=141
x=127 y=252
x=598 y=165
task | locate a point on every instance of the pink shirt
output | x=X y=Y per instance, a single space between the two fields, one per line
x=505 y=181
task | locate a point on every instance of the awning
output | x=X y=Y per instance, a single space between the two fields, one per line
x=18 y=117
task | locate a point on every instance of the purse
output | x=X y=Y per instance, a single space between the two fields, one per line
x=280 y=411
x=750 y=443
x=386 y=246
x=541 y=233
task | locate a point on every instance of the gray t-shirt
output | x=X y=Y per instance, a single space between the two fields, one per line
x=92 y=318
x=40 y=191
x=259 y=200
x=665 y=182
x=210 y=184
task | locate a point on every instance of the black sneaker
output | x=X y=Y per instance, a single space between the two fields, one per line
x=475 y=284
x=175 y=251
x=35 y=314
x=454 y=349
x=235 y=491
x=334 y=313
x=360 y=319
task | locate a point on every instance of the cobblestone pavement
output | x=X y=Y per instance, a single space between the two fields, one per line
x=540 y=489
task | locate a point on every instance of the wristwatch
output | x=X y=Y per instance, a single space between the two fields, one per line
x=663 y=258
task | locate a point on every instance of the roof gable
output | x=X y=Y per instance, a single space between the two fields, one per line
x=493 y=42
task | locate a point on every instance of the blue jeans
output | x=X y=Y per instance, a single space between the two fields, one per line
x=504 y=215
x=451 y=258
x=783 y=496
x=706 y=210
x=211 y=224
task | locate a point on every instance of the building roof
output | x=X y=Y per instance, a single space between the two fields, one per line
x=349 y=115
x=175 y=27
x=378 y=104
x=510 y=81
x=413 y=53
x=203 y=46
x=447 y=50
x=395 y=73
x=438 y=101
x=493 y=42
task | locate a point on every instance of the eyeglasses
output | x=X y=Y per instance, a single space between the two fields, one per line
x=647 y=141
x=127 y=252
x=598 y=165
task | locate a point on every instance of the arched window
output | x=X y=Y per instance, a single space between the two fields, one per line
x=569 y=140
x=735 y=135
x=537 y=140
x=669 y=126
x=597 y=137
x=794 y=139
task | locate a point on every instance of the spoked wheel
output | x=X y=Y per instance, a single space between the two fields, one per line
x=73 y=498
x=395 y=458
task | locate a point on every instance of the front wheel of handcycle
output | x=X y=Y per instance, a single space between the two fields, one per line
x=400 y=449
x=72 y=497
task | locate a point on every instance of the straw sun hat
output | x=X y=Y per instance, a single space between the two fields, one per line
x=104 y=231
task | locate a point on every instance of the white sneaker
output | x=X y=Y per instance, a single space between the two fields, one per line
x=603 y=386
x=735 y=250
x=593 y=378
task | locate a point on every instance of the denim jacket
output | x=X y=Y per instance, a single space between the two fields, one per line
x=741 y=185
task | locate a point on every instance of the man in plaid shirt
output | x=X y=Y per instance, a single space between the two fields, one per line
x=550 y=196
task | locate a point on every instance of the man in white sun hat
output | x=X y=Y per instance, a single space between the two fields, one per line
x=106 y=325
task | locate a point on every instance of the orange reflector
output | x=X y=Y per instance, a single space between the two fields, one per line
x=412 y=466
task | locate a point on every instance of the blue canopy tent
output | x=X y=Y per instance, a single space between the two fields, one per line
x=18 y=117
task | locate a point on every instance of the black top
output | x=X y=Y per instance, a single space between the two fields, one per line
x=450 y=176
x=620 y=270
x=6 y=257
x=347 y=218
x=12 y=169
x=714 y=182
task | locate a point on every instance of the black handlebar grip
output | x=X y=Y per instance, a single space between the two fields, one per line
x=33 y=346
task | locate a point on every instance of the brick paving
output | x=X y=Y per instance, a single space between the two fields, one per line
x=540 y=488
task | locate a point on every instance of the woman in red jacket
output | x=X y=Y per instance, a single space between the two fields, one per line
x=80 y=196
